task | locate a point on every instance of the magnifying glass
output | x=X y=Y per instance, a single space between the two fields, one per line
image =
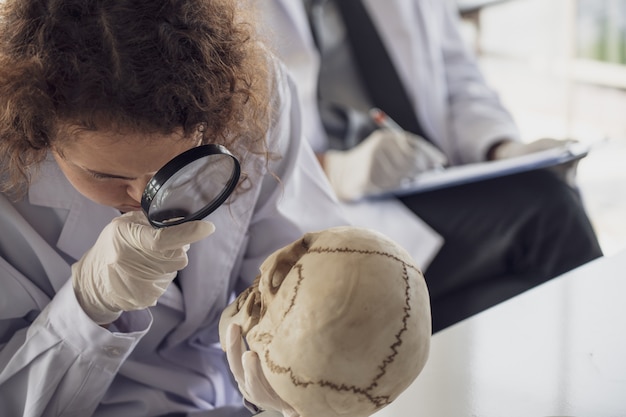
x=190 y=186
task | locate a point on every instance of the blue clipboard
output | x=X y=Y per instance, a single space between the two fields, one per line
x=463 y=174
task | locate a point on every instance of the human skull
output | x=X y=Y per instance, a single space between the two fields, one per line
x=340 y=320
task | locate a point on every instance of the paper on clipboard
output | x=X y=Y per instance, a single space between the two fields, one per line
x=463 y=174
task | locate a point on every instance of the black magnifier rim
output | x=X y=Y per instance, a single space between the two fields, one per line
x=172 y=167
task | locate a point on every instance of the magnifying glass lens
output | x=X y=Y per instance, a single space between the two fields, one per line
x=190 y=186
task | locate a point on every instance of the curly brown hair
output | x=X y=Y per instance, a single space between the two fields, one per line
x=148 y=66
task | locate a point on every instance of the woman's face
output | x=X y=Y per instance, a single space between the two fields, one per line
x=113 y=169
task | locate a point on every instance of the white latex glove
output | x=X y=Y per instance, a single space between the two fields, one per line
x=566 y=171
x=381 y=162
x=511 y=149
x=246 y=368
x=131 y=264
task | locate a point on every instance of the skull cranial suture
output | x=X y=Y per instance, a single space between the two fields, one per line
x=340 y=320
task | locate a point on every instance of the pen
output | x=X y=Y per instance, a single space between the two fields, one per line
x=382 y=119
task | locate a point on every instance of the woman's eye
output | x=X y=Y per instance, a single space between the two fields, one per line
x=98 y=176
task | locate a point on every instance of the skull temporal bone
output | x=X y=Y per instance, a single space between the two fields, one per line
x=340 y=320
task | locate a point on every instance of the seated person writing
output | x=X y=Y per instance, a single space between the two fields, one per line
x=494 y=238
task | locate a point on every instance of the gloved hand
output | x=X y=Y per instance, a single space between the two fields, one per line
x=131 y=264
x=246 y=368
x=511 y=149
x=380 y=163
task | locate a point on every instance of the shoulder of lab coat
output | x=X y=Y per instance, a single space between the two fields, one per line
x=287 y=31
x=457 y=108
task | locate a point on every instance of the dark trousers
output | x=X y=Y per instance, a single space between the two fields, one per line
x=502 y=236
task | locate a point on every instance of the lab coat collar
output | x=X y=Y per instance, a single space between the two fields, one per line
x=57 y=270
x=85 y=218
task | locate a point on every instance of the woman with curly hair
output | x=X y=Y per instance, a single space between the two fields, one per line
x=100 y=313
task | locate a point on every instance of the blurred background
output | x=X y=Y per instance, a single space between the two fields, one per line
x=560 y=67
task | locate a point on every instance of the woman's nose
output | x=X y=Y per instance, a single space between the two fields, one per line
x=135 y=188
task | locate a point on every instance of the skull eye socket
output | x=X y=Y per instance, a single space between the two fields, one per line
x=250 y=299
x=255 y=306
x=278 y=276
x=285 y=262
x=250 y=304
x=243 y=298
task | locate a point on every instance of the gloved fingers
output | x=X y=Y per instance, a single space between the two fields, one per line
x=235 y=348
x=246 y=368
x=235 y=354
x=396 y=155
x=548 y=143
x=510 y=149
x=134 y=227
x=386 y=138
x=290 y=412
x=174 y=237
x=412 y=147
x=428 y=152
x=259 y=389
x=270 y=413
x=374 y=141
x=381 y=162
x=136 y=259
x=261 y=392
x=136 y=217
x=169 y=240
x=408 y=155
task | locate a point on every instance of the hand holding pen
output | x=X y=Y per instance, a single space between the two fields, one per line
x=382 y=162
x=383 y=120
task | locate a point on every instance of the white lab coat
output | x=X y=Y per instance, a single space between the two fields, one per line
x=456 y=108
x=55 y=361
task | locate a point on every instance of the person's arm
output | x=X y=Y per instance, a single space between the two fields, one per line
x=484 y=129
x=478 y=119
x=56 y=358
x=62 y=363
x=511 y=149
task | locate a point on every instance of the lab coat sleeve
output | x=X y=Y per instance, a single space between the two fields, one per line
x=477 y=118
x=301 y=200
x=62 y=364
